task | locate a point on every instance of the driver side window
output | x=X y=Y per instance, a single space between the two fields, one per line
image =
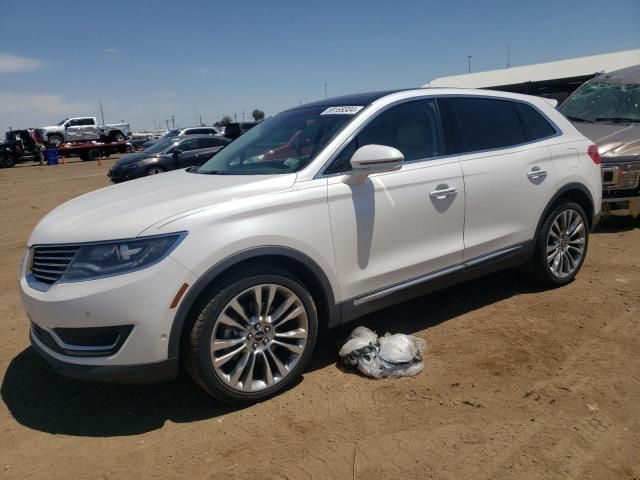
x=191 y=144
x=412 y=127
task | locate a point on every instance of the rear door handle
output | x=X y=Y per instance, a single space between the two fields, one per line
x=443 y=193
x=536 y=173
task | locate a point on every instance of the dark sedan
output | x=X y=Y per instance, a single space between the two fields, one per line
x=169 y=154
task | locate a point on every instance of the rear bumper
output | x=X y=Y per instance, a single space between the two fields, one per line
x=140 y=374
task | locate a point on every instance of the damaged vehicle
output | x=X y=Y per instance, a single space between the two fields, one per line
x=83 y=129
x=606 y=109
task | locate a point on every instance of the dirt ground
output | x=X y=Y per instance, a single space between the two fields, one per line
x=519 y=384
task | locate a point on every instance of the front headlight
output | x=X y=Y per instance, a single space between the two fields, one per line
x=105 y=259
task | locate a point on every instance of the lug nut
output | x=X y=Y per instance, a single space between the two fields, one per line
x=267 y=329
x=254 y=346
x=265 y=341
x=249 y=336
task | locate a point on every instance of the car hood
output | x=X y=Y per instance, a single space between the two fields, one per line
x=133 y=158
x=614 y=141
x=126 y=210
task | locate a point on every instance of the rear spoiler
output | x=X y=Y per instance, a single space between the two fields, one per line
x=551 y=101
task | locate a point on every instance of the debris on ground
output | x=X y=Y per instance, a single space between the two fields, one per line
x=396 y=355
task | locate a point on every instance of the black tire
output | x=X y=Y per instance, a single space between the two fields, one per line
x=197 y=341
x=118 y=137
x=55 y=140
x=538 y=268
x=93 y=154
x=7 y=162
x=154 y=170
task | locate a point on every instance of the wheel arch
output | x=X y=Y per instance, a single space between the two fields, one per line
x=576 y=192
x=292 y=260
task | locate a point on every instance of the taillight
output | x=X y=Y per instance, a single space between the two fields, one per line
x=593 y=152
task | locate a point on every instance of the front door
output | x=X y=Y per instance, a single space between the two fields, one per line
x=397 y=226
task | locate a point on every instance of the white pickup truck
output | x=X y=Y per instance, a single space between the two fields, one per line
x=79 y=129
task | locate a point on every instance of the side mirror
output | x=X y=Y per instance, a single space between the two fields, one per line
x=176 y=152
x=375 y=159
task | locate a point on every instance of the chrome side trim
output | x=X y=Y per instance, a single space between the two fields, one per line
x=432 y=276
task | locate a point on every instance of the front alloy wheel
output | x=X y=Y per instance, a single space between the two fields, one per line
x=253 y=336
x=259 y=337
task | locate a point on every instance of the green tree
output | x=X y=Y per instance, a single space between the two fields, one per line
x=258 y=115
x=226 y=120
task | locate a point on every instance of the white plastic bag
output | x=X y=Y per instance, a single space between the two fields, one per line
x=395 y=355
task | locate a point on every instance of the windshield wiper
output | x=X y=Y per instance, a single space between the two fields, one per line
x=616 y=119
x=578 y=119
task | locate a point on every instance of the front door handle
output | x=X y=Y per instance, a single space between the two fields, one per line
x=443 y=193
x=536 y=173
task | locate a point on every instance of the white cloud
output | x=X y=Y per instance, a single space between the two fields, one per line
x=15 y=64
x=35 y=108
x=111 y=51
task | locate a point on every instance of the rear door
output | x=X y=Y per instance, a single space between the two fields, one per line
x=508 y=173
x=207 y=147
x=90 y=130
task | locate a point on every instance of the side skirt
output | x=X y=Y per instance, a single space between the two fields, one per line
x=401 y=292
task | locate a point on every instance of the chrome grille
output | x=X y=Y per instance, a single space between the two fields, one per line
x=49 y=263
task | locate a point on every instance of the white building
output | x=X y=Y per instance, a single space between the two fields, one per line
x=552 y=79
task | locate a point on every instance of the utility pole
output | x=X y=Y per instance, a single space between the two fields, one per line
x=200 y=120
x=469 y=57
x=101 y=112
x=325 y=90
x=508 y=56
x=243 y=114
x=167 y=120
x=235 y=117
x=173 y=121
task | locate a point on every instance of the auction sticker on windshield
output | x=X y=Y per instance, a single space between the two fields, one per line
x=342 y=110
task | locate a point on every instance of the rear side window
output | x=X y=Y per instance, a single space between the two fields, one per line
x=485 y=124
x=537 y=127
x=209 y=142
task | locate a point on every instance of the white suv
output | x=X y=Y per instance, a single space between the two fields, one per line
x=317 y=215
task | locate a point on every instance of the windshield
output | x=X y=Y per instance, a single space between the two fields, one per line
x=284 y=143
x=160 y=147
x=603 y=102
x=171 y=133
x=61 y=122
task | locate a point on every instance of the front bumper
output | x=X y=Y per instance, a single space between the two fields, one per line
x=118 y=175
x=621 y=207
x=139 y=300
x=141 y=373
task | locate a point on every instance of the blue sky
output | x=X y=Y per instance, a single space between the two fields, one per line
x=148 y=60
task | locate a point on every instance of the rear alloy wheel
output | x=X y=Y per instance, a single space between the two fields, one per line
x=561 y=246
x=566 y=243
x=254 y=336
x=119 y=137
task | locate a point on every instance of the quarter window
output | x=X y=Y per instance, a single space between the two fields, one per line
x=486 y=124
x=411 y=127
x=536 y=125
